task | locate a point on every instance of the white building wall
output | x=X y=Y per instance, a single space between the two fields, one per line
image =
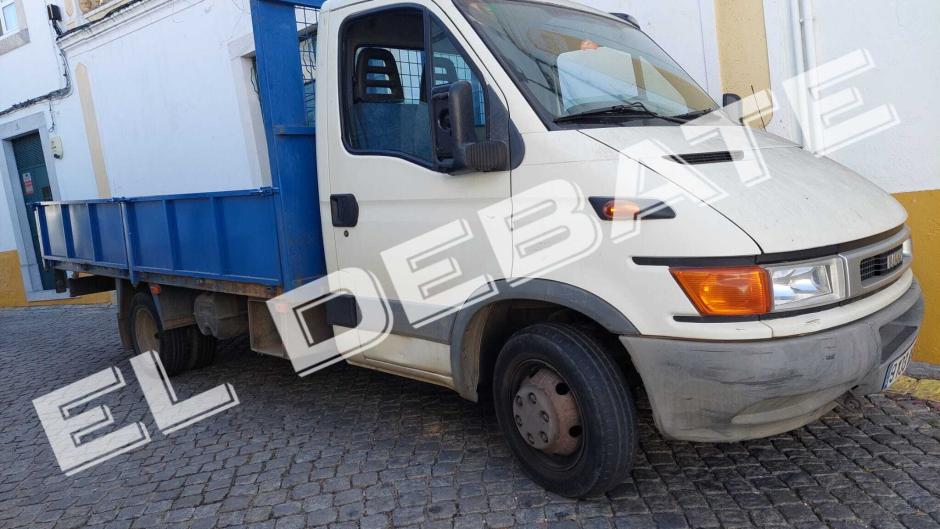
x=33 y=68
x=28 y=69
x=7 y=239
x=165 y=99
x=171 y=102
x=903 y=40
x=73 y=170
x=171 y=105
x=903 y=37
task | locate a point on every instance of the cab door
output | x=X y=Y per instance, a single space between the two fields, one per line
x=393 y=211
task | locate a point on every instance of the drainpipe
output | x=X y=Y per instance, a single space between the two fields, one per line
x=798 y=67
x=804 y=45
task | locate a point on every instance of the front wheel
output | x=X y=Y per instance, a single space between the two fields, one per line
x=565 y=410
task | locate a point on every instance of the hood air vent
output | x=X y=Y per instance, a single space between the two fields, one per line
x=698 y=158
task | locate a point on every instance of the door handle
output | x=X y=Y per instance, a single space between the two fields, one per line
x=345 y=210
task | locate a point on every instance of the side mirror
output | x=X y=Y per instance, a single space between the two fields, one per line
x=455 y=145
x=730 y=99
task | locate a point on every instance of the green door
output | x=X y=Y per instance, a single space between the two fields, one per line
x=34 y=182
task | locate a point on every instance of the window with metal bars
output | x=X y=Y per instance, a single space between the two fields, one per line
x=307 y=19
x=386 y=102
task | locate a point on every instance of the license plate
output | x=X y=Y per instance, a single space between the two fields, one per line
x=897 y=368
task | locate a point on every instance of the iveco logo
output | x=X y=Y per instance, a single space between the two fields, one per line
x=893 y=259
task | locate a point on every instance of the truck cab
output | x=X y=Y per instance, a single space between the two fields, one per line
x=739 y=316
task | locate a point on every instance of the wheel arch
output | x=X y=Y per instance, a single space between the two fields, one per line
x=479 y=330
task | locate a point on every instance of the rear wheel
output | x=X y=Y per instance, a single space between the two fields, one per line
x=202 y=348
x=147 y=334
x=565 y=410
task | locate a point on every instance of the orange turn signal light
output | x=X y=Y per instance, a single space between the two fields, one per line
x=727 y=291
x=620 y=209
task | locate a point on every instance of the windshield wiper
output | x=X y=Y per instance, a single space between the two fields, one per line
x=631 y=110
x=695 y=114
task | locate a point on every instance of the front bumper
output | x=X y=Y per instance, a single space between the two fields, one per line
x=729 y=391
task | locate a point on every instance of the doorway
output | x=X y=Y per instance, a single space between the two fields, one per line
x=33 y=177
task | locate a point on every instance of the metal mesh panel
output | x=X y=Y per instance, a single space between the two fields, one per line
x=411 y=64
x=307 y=19
x=410 y=67
x=464 y=73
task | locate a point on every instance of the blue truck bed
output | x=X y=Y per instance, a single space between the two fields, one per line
x=255 y=242
x=224 y=239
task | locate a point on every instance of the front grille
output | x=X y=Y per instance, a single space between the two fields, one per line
x=881 y=264
x=705 y=157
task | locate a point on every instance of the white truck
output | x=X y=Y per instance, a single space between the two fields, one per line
x=739 y=317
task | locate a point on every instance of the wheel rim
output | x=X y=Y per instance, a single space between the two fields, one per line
x=546 y=415
x=145 y=331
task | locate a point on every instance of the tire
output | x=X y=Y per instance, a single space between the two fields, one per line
x=606 y=436
x=202 y=348
x=146 y=332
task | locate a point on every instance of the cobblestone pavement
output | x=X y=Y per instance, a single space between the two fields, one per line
x=349 y=448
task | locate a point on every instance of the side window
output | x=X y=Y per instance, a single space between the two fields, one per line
x=387 y=108
x=308 y=64
x=386 y=101
x=451 y=65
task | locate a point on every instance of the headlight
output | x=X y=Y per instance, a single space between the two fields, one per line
x=908 y=248
x=805 y=284
x=757 y=290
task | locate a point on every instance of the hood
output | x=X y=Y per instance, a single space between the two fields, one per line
x=789 y=199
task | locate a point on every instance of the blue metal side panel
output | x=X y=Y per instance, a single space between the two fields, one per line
x=56 y=227
x=249 y=241
x=152 y=242
x=266 y=236
x=196 y=229
x=112 y=249
x=82 y=238
x=216 y=235
x=79 y=226
x=226 y=236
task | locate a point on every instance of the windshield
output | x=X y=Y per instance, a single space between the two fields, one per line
x=569 y=61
